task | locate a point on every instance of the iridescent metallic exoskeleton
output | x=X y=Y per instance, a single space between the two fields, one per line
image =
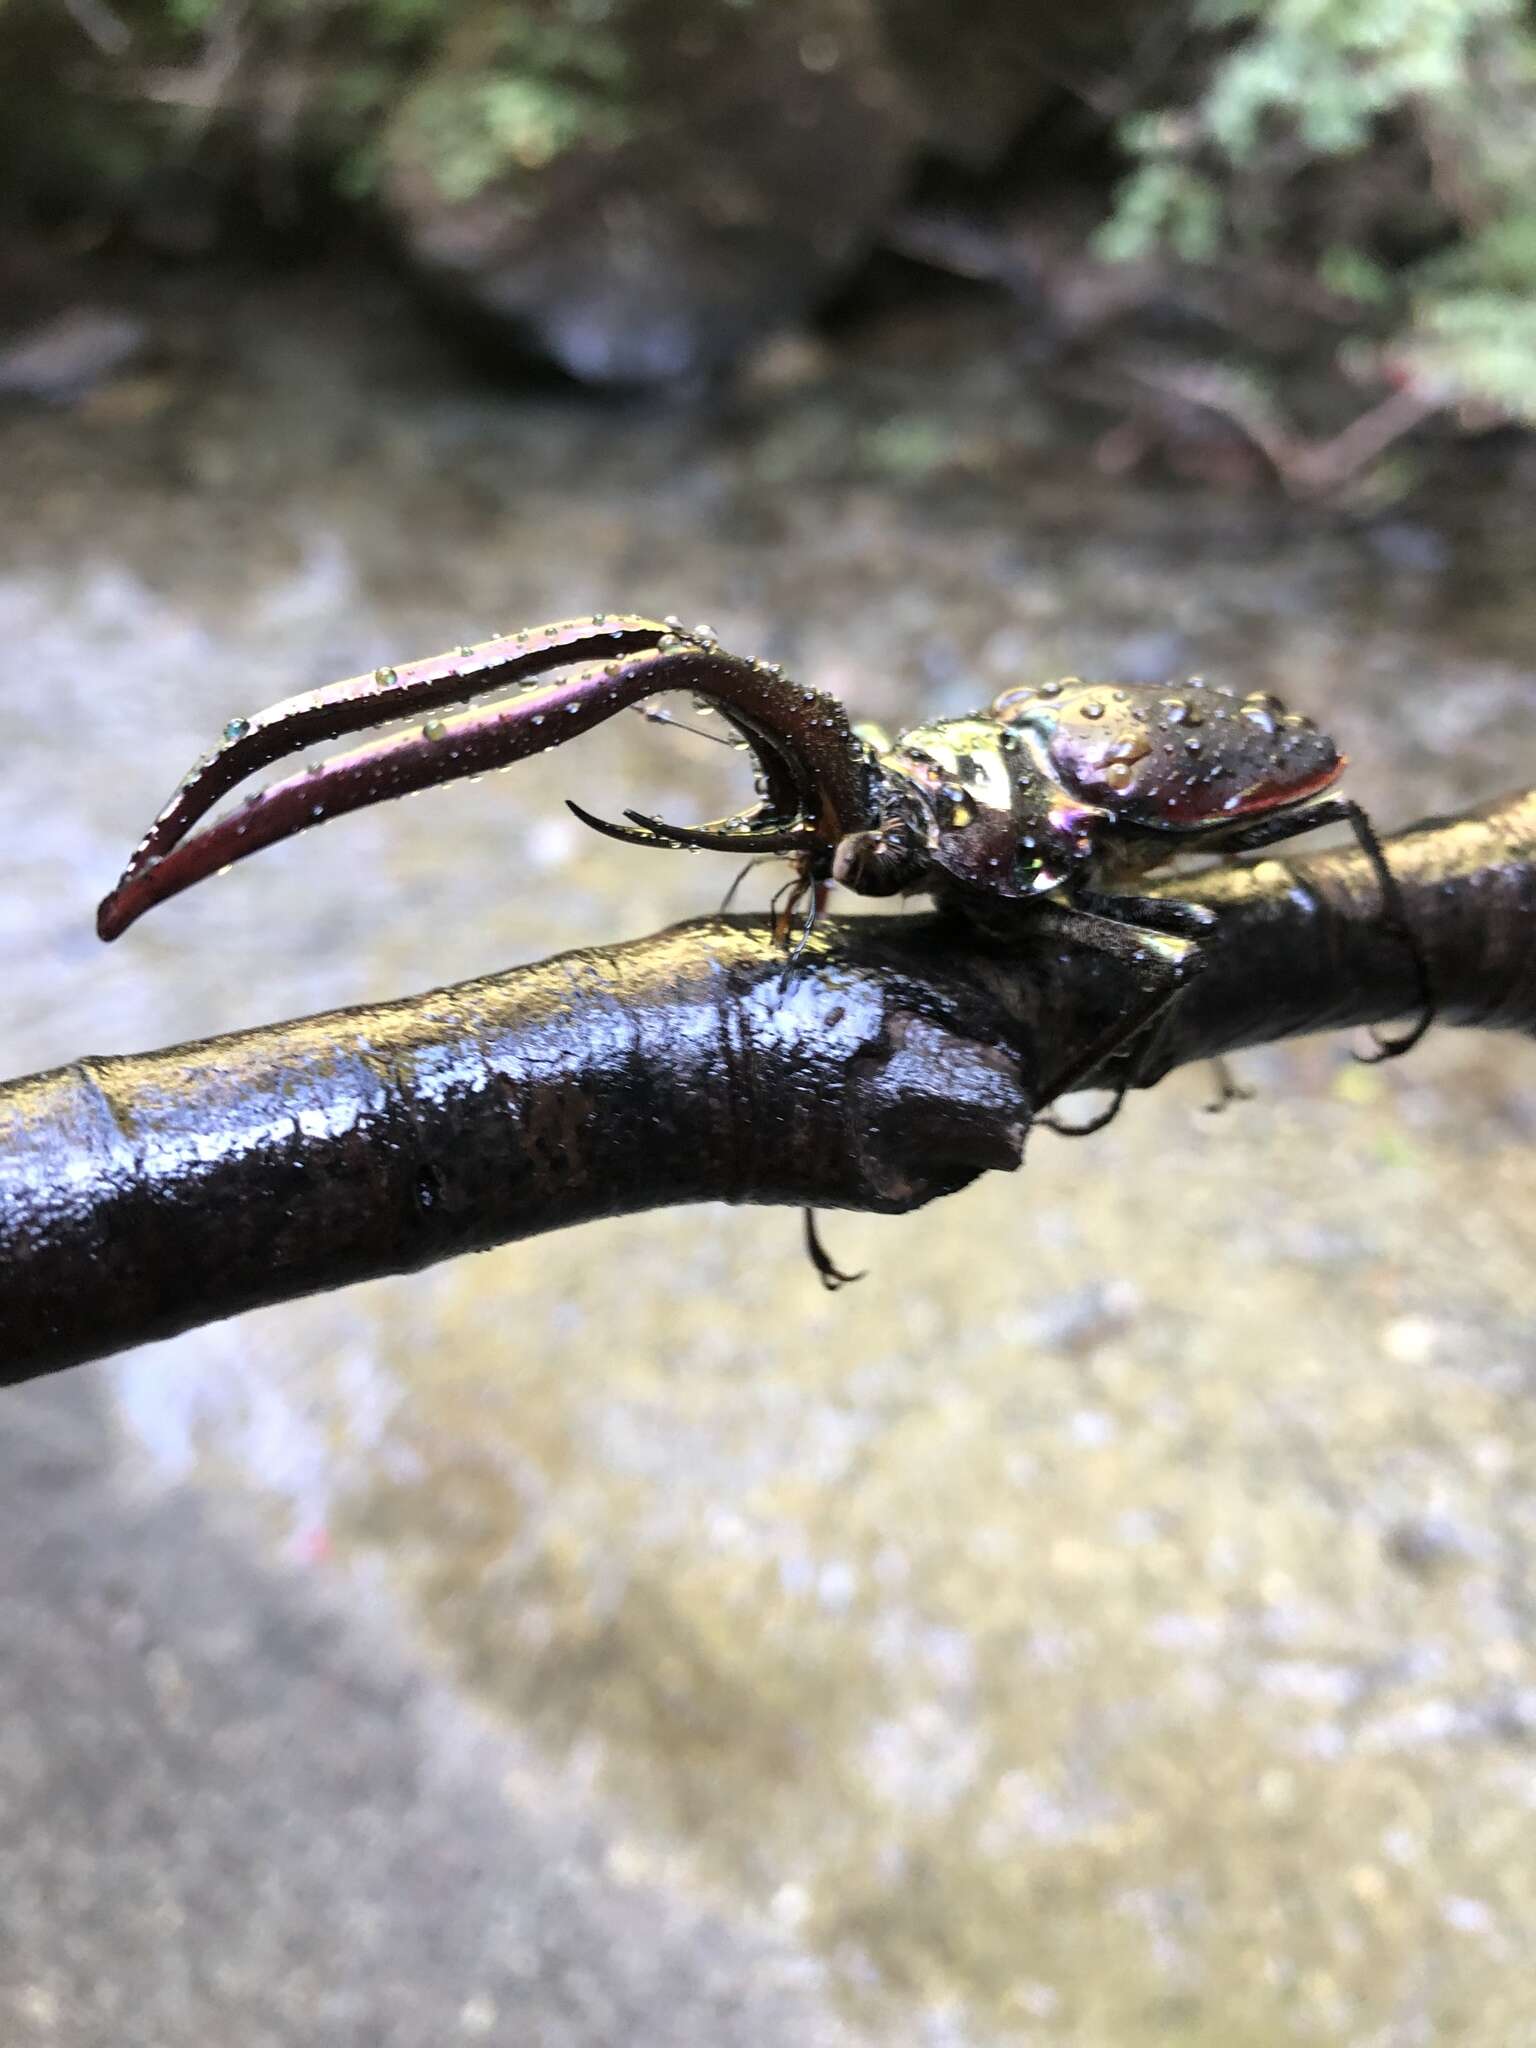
x=1067 y=793
x=1055 y=801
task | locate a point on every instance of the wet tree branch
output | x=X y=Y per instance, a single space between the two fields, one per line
x=144 y=1195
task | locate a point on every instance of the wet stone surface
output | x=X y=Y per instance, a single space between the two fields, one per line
x=1112 y=1621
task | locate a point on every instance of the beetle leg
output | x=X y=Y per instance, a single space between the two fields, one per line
x=1397 y=917
x=1164 y=914
x=815 y=895
x=832 y=1276
x=1174 y=961
x=1228 y=1088
x=1343 y=810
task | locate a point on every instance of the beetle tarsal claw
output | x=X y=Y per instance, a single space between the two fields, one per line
x=830 y=1274
x=1385 y=1047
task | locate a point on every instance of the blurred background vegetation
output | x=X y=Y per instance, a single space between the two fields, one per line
x=1306 y=228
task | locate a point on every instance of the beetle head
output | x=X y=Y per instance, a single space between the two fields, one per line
x=1185 y=760
x=975 y=799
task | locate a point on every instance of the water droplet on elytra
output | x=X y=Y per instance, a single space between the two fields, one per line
x=237 y=728
x=434 y=729
x=384 y=677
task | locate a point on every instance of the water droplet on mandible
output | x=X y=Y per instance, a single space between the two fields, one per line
x=434 y=729
x=237 y=728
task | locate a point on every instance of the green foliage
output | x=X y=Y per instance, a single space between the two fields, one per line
x=1480 y=347
x=556 y=76
x=1334 y=68
x=533 y=77
x=476 y=131
x=191 y=16
x=1168 y=202
x=1413 y=123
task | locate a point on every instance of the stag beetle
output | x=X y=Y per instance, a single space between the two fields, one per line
x=1053 y=802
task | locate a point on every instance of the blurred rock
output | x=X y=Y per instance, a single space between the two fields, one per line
x=639 y=196
x=980 y=70
x=61 y=359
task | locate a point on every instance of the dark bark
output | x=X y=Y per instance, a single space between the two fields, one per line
x=141 y=1196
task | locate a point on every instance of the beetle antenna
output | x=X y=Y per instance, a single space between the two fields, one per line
x=657 y=714
x=741 y=875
